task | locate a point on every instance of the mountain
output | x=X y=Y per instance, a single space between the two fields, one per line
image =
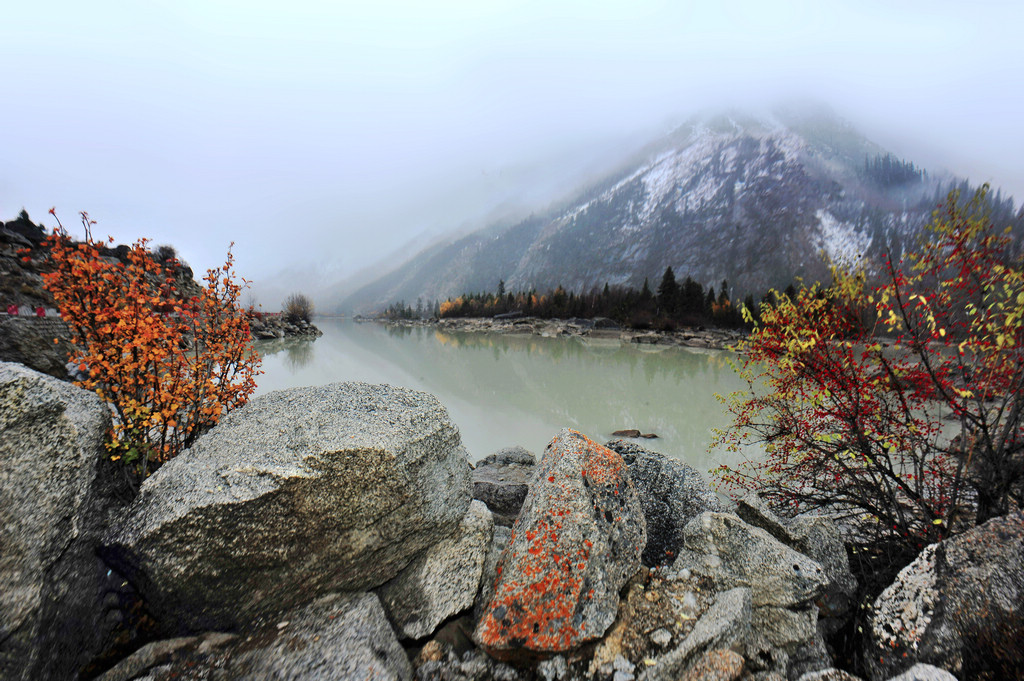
x=755 y=199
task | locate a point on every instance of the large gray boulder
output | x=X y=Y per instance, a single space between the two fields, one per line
x=734 y=554
x=299 y=493
x=671 y=492
x=958 y=606
x=575 y=544
x=441 y=581
x=53 y=497
x=815 y=536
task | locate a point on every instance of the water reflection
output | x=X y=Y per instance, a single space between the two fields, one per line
x=298 y=352
x=520 y=389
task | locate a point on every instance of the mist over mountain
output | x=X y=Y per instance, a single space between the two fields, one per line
x=757 y=199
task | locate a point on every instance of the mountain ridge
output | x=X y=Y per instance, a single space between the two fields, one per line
x=751 y=198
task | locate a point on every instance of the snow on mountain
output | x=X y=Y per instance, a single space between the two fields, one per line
x=756 y=200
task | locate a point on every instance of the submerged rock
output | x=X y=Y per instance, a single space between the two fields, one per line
x=575 y=544
x=301 y=492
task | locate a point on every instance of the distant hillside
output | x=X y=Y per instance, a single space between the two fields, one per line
x=753 y=199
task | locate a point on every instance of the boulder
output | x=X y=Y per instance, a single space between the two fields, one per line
x=502 y=480
x=815 y=536
x=671 y=492
x=30 y=341
x=441 y=581
x=959 y=606
x=299 y=493
x=734 y=554
x=54 y=496
x=924 y=672
x=501 y=538
x=338 y=636
x=575 y=544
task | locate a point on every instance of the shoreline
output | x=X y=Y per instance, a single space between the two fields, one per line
x=689 y=337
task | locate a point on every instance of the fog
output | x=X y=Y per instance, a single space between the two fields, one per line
x=323 y=137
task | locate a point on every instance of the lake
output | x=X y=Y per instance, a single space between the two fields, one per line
x=504 y=390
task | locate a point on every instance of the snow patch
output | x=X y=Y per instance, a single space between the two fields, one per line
x=841 y=241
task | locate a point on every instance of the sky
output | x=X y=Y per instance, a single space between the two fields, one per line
x=323 y=137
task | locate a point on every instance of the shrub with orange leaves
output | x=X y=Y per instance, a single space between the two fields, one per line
x=169 y=365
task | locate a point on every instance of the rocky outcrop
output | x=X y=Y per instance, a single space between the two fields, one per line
x=576 y=543
x=502 y=480
x=441 y=581
x=958 y=606
x=54 y=495
x=671 y=493
x=299 y=493
x=269 y=327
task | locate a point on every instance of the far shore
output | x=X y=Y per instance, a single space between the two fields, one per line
x=693 y=337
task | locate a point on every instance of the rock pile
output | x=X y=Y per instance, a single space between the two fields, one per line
x=329 y=533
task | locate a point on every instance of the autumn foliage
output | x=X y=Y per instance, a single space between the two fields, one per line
x=169 y=365
x=899 y=403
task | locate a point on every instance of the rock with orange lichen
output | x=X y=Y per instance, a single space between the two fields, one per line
x=576 y=543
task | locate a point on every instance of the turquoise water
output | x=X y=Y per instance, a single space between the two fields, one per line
x=504 y=390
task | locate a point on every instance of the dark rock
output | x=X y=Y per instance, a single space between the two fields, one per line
x=575 y=544
x=502 y=480
x=165 y=652
x=629 y=432
x=338 y=636
x=299 y=493
x=441 y=581
x=958 y=606
x=671 y=493
x=500 y=540
x=509 y=455
x=54 y=497
x=29 y=341
x=605 y=323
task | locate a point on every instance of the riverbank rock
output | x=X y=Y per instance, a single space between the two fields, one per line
x=441 y=581
x=958 y=606
x=299 y=493
x=817 y=537
x=338 y=636
x=54 y=495
x=575 y=544
x=671 y=493
x=502 y=480
x=734 y=554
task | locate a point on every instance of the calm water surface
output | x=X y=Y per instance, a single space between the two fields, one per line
x=504 y=390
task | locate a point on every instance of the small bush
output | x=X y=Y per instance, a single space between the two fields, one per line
x=298 y=308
